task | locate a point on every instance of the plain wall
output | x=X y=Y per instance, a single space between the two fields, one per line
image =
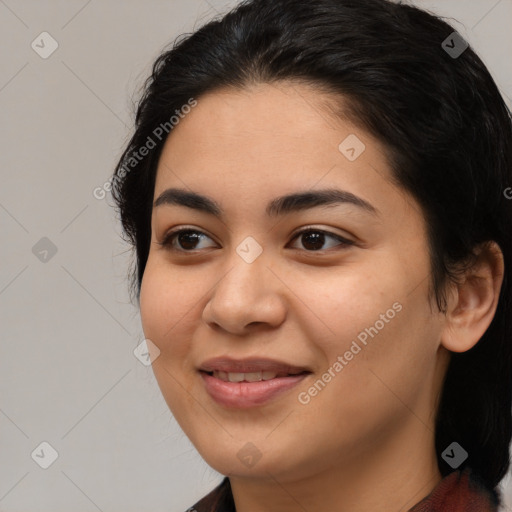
x=68 y=375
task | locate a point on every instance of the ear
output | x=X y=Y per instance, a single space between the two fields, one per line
x=473 y=303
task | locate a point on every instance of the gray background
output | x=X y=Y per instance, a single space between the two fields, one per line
x=68 y=375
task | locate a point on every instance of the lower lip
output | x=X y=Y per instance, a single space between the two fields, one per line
x=243 y=395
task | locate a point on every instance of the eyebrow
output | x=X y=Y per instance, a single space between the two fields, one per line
x=282 y=205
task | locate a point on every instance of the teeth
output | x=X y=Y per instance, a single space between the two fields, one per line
x=235 y=377
x=248 y=377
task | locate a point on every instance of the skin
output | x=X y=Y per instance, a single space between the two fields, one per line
x=366 y=440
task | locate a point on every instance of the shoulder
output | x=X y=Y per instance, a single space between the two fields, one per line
x=460 y=491
x=220 y=499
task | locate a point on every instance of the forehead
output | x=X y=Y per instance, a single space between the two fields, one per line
x=265 y=131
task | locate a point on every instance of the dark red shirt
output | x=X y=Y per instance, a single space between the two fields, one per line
x=459 y=491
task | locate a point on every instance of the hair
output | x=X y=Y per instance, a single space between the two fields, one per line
x=448 y=138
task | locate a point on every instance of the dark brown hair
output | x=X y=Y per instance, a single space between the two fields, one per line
x=440 y=116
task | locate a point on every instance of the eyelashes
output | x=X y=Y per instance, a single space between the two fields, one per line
x=189 y=236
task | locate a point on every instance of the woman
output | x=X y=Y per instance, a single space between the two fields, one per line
x=316 y=192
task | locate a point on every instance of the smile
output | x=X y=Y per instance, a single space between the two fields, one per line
x=245 y=390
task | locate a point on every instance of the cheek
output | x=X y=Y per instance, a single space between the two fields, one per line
x=347 y=301
x=162 y=305
x=372 y=320
x=171 y=302
x=150 y=303
x=166 y=318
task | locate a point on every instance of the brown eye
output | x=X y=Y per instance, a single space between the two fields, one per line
x=187 y=240
x=314 y=239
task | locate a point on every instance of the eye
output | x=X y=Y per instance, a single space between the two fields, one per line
x=186 y=238
x=313 y=239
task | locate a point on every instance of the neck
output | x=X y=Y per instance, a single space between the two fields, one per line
x=391 y=475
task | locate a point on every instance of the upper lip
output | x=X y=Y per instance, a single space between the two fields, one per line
x=252 y=364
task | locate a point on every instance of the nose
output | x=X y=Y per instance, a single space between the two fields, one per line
x=248 y=296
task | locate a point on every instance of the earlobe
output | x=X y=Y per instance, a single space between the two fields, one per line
x=473 y=302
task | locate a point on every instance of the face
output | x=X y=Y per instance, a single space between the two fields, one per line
x=336 y=287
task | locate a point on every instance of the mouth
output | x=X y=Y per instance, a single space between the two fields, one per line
x=250 y=382
x=251 y=367
x=256 y=376
x=239 y=390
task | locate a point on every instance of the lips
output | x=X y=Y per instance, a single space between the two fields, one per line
x=244 y=395
x=249 y=376
x=252 y=382
x=250 y=366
